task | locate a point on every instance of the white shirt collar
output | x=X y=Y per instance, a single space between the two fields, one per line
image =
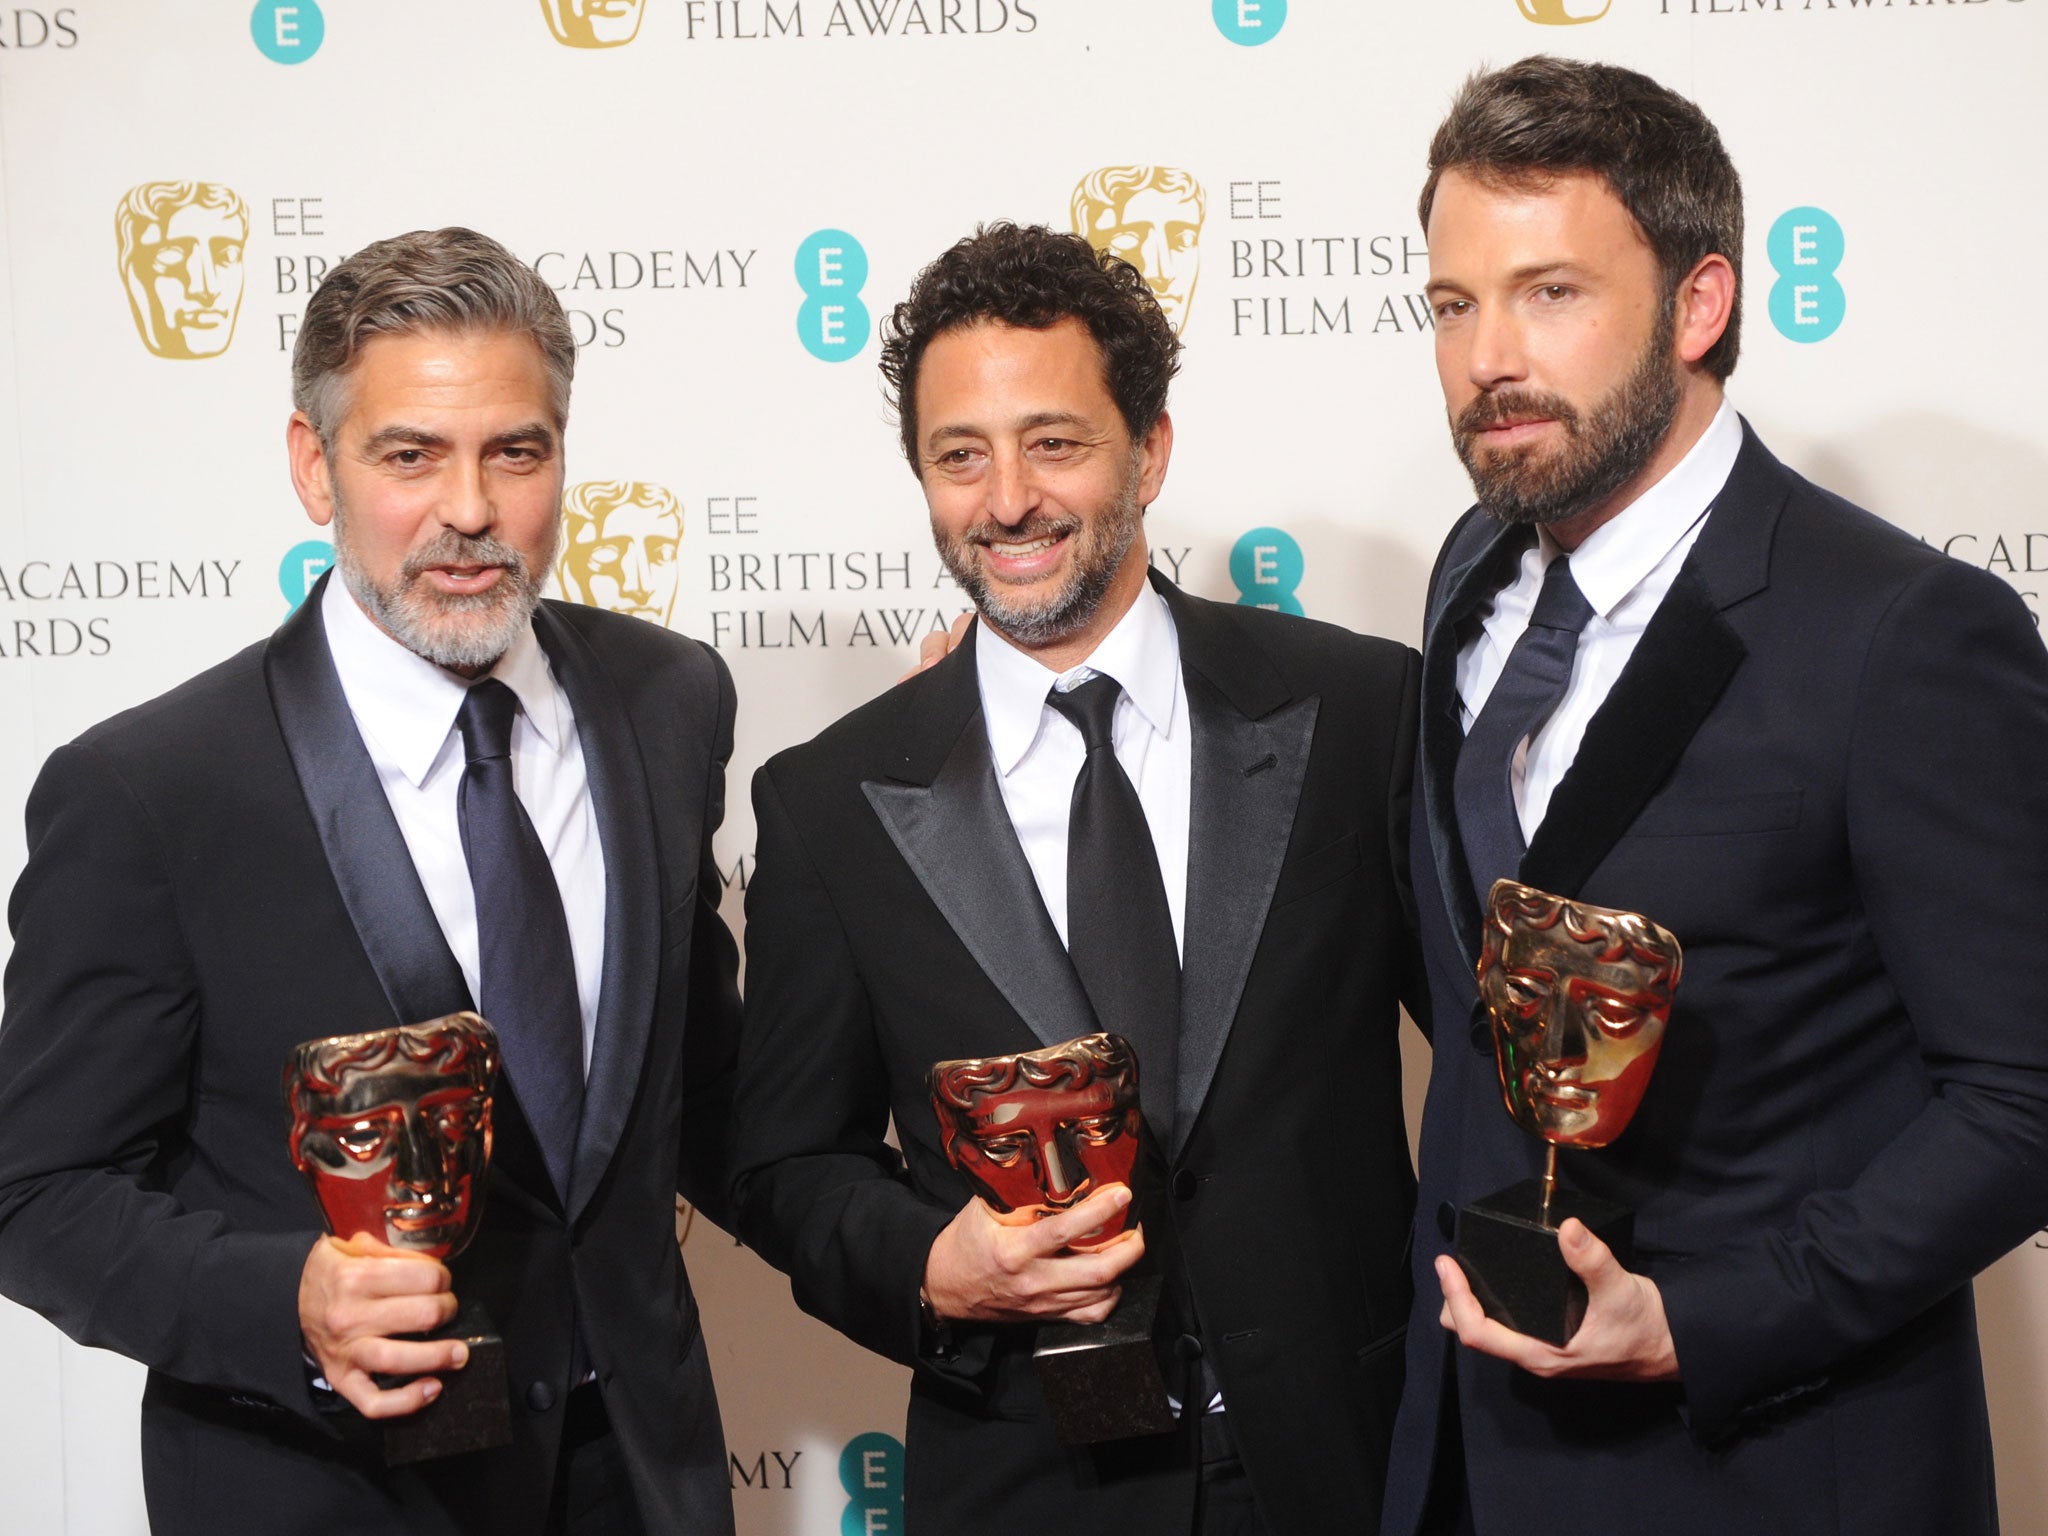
x=1142 y=653
x=405 y=705
x=1615 y=557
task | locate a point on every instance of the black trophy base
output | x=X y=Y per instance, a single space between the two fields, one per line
x=1102 y=1380
x=474 y=1410
x=1510 y=1255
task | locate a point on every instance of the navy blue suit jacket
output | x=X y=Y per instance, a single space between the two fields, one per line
x=1822 y=770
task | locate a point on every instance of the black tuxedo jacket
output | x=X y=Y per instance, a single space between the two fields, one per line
x=893 y=921
x=1822 y=770
x=216 y=876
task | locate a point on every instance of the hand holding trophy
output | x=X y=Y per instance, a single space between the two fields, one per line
x=1579 y=997
x=392 y=1130
x=1037 y=1133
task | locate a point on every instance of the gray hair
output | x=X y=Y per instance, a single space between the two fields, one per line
x=430 y=280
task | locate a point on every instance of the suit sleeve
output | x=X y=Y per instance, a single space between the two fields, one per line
x=1947 y=811
x=711 y=1031
x=820 y=1192
x=97 y=1041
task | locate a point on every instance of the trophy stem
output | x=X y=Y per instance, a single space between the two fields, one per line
x=1549 y=1178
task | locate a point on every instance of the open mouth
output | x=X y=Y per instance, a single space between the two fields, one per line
x=463 y=580
x=1022 y=559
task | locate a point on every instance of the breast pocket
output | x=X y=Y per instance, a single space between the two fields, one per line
x=1719 y=815
x=1317 y=869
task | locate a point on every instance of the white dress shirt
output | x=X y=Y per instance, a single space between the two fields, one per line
x=1624 y=568
x=405 y=708
x=1038 y=751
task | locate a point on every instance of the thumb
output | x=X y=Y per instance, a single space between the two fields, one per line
x=1090 y=1215
x=1589 y=1258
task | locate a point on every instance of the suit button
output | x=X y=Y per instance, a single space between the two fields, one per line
x=1183 y=1184
x=1188 y=1347
x=1447 y=1220
x=540 y=1397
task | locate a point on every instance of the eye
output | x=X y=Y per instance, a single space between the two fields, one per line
x=1453 y=309
x=1553 y=293
x=1004 y=1150
x=361 y=1142
x=1616 y=1016
x=1099 y=1130
x=227 y=253
x=409 y=458
x=1527 y=993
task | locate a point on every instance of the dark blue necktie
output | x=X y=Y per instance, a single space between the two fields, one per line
x=1528 y=692
x=527 y=977
x=1119 y=928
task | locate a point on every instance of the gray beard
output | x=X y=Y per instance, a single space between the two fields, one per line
x=464 y=633
x=1604 y=448
x=1098 y=556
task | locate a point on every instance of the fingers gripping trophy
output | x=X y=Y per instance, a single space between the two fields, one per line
x=392 y=1130
x=1037 y=1133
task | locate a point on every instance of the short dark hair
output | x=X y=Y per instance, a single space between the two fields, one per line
x=1546 y=117
x=1034 y=277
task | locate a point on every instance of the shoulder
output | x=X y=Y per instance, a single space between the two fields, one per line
x=870 y=739
x=1826 y=543
x=1311 y=655
x=632 y=649
x=205 y=717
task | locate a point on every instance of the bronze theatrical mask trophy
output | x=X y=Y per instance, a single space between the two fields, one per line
x=1037 y=1133
x=1579 y=997
x=393 y=1131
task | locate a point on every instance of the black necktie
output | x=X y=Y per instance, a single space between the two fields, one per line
x=527 y=970
x=1119 y=928
x=1529 y=689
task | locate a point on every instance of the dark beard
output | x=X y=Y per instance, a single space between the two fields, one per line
x=1098 y=555
x=1603 y=449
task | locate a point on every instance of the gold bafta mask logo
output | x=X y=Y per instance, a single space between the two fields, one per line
x=594 y=23
x=1151 y=216
x=181 y=245
x=620 y=543
x=1562 y=13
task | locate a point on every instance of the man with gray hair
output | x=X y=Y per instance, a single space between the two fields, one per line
x=428 y=791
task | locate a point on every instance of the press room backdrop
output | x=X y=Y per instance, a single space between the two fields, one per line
x=728 y=195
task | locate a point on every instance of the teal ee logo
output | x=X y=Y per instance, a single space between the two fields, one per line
x=871 y=1472
x=832 y=268
x=1250 y=22
x=288 y=31
x=303 y=564
x=1805 y=247
x=1266 y=565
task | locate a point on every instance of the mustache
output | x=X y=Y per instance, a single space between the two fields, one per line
x=451 y=547
x=1500 y=405
x=1037 y=525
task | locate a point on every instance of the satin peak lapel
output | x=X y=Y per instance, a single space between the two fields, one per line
x=365 y=850
x=1246 y=784
x=632 y=896
x=948 y=820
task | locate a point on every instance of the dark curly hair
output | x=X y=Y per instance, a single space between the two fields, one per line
x=1544 y=117
x=1034 y=277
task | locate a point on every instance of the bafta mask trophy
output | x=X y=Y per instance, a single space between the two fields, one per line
x=1037 y=1133
x=393 y=1131
x=1579 y=997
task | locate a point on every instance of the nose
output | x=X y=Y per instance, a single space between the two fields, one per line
x=1059 y=1170
x=466 y=500
x=636 y=576
x=202 y=278
x=1564 y=1032
x=1012 y=486
x=1496 y=354
x=416 y=1163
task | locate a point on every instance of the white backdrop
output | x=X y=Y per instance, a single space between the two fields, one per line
x=729 y=193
